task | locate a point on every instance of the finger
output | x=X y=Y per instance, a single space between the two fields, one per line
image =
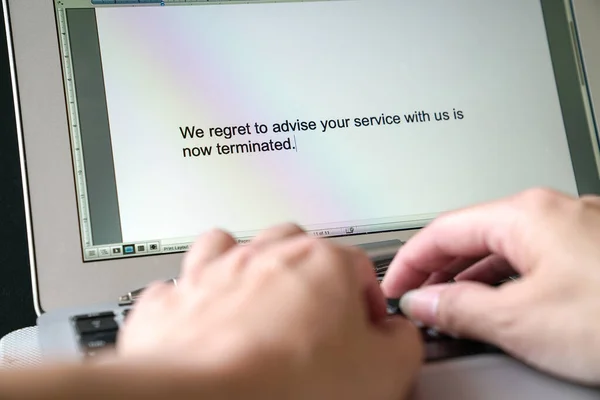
x=464 y=309
x=490 y=270
x=230 y=266
x=373 y=296
x=277 y=233
x=498 y=228
x=233 y=263
x=281 y=254
x=327 y=263
x=206 y=249
x=353 y=273
x=470 y=233
x=155 y=290
x=448 y=273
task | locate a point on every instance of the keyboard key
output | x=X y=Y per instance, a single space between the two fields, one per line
x=104 y=322
x=431 y=335
x=382 y=266
x=99 y=340
x=95 y=315
x=393 y=307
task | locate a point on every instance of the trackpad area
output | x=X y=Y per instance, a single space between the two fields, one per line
x=493 y=377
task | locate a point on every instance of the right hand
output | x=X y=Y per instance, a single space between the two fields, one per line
x=550 y=318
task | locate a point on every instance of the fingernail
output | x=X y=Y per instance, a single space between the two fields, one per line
x=421 y=305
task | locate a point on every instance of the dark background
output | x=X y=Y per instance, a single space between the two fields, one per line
x=16 y=299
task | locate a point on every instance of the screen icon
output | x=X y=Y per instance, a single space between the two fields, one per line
x=128 y=249
x=140 y=248
x=116 y=251
x=91 y=253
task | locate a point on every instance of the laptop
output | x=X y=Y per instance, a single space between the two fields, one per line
x=143 y=123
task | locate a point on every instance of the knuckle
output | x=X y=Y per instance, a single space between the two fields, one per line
x=268 y=268
x=584 y=212
x=328 y=252
x=244 y=253
x=241 y=257
x=276 y=233
x=590 y=200
x=541 y=203
x=190 y=263
x=328 y=257
x=290 y=227
x=291 y=253
x=310 y=243
x=301 y=247
x=217 y=235
x=541 y=199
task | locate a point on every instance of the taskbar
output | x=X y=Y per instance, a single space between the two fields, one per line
x=181 y=245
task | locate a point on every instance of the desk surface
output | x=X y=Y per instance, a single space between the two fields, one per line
x=494 y=378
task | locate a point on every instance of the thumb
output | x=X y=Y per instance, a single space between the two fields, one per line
x=464 y=309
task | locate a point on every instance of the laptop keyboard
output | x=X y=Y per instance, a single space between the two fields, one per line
x=99 y=332
x=96 y=332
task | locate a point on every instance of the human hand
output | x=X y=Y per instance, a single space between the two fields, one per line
x=290 y=316
x=550 y=317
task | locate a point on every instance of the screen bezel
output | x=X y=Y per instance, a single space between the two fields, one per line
x=60 y=277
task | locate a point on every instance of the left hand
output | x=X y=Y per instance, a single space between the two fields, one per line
x=287 y=316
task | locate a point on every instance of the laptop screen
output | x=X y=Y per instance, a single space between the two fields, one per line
x=347 y=117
